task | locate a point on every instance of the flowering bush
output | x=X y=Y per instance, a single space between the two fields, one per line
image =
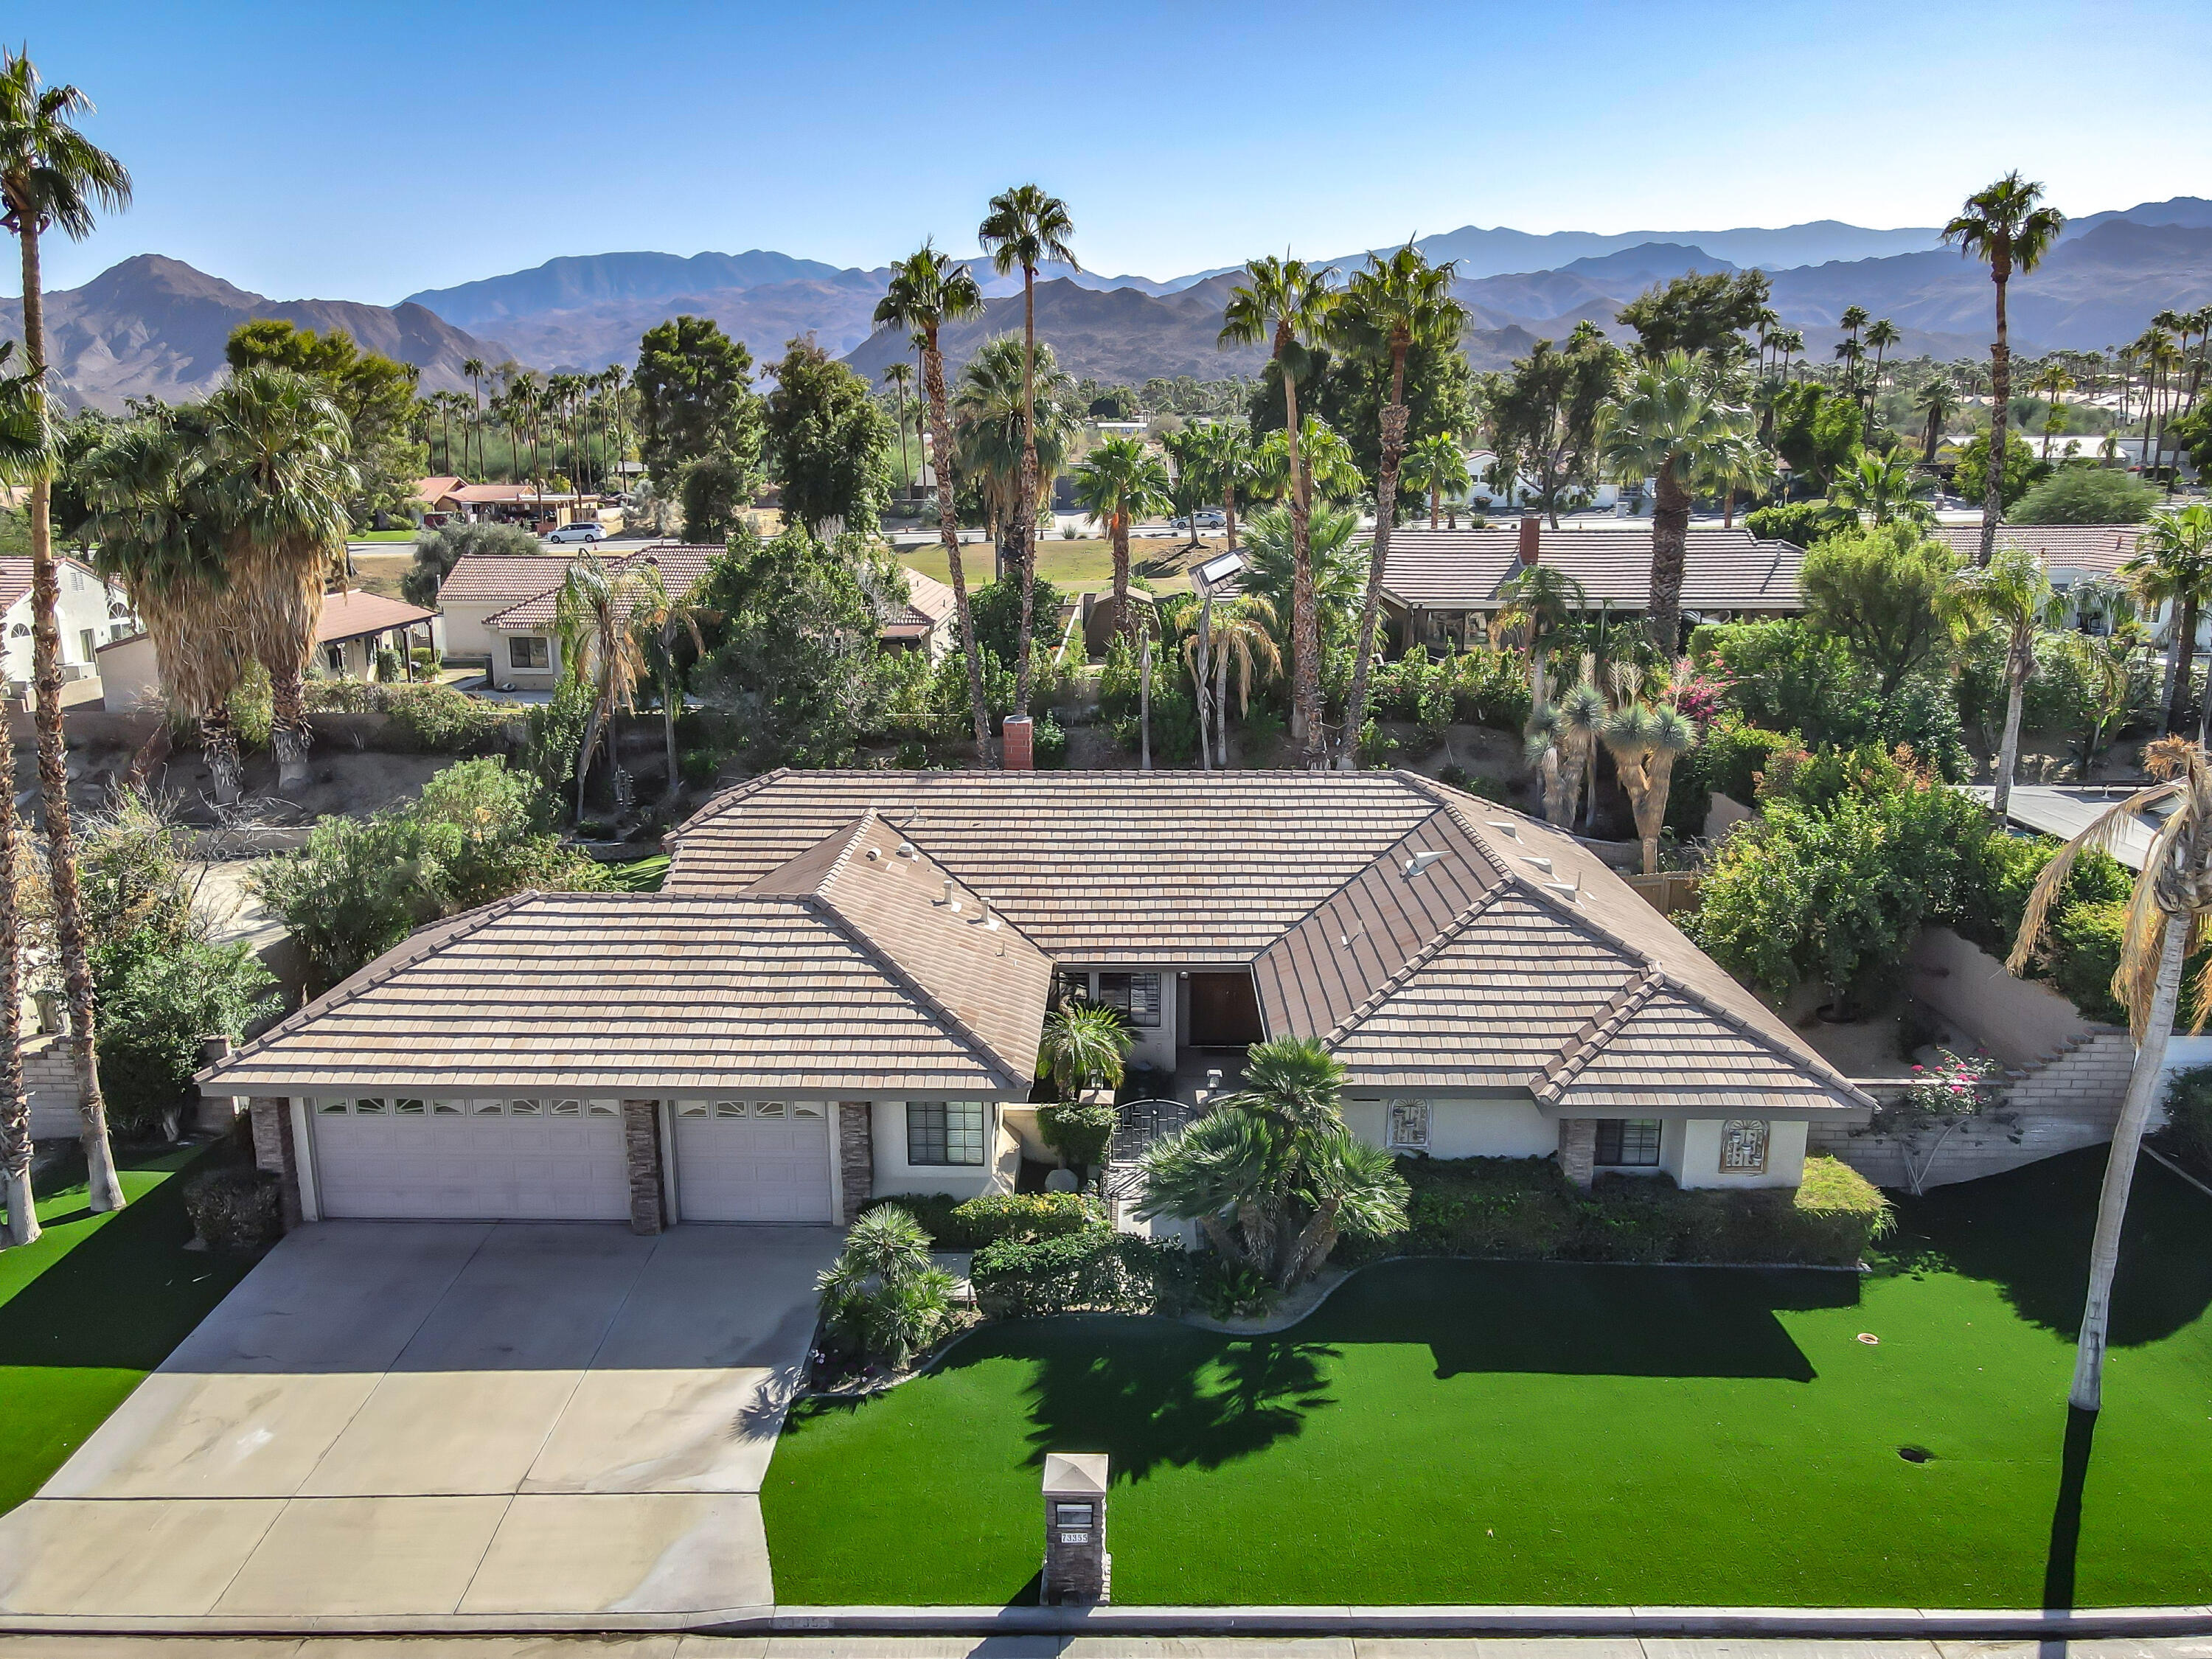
x=1955 y=1090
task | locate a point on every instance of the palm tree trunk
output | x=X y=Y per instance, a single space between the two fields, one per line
x=219 y=749
x=289 y=734
x=671 y=698
x=1228 y=513
x=1305 y=615
x=1204 y=678
x=1144 y=706
x=2145 y=1084
x=1670 y=533
x=584 y=755
x=14 y=1111
x=2001 y=389
x=1370 y=607
x=948 y=529
x=2017 y=672
x=1024 y=537
x=2181 y=688
x=105 y=1190
x=1117 y=532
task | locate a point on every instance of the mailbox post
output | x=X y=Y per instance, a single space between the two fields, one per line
x=1076 y=1565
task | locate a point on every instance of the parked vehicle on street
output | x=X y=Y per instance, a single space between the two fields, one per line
x=577 y=532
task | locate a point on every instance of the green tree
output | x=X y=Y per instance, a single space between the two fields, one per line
x=2173 y=566
x=438 y=550
x=2022 y=471
x=712 y=494
x=375 y=395
x=1884 y=489
x=1645 y=741
x=1024 y=227
x=1272 y=1176
x=2003 y=227
x=2086 y=495
x=591 y=619
x=1546 y=413
x=1936 y=402
x=2014 y=592
x=1698 y=313
x=1119 y=482
x=695 y=398
x=1667 y=428
x=829 y=442
x=52 y=177
x=1894 y=596
x=1086 y=1044
x=1815 y=430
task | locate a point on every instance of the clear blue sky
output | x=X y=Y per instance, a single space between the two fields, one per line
x=362 y=152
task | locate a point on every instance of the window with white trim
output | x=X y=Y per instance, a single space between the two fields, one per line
x=529 y=650
x=949 y=1132
x=1409 y=1125
x=1628 y=1143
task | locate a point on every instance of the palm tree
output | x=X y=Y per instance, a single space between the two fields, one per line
x=900 y=373
x=2054 y=382
x=1937 y=402
x=1024 y=227
x=1229 y=458
x=1084 y=1044
x=1119 y=481
x=473 y=368
x=592 y=619
x=1667 y=428
x=24 y=451
x=2014 y=592
x=1884 y=489
x=1286 y=303
x=1541 y=601
x=2173 y=566
x=1436 y=467
x=1337 y=571
x=2003 y=226
x=1240 y=641
x=1740 y=462
x=2166 y=919
x=1645 y=741
x=1565 y=746
x=1882 y=334
x=929 y=290
x=661 y=619
x=1386 y=310
x=52 y=177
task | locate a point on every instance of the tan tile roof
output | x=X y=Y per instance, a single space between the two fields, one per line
x=2100 y=549
x=349 y=616
x=1463 y=569
x=680 y=564
x=928 y=601
x=660 y=995
x=501 y=578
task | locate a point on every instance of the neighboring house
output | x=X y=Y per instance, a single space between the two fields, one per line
x=90 y=612
x=446 y=498
x=1444 y=585
x=522 y=641
x=840 y=990
x=926 y=622
x=353 y=628
x=480 y=584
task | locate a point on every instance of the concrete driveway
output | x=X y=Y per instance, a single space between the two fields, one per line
x=400 y=1425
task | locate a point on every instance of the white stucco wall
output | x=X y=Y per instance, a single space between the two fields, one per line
x=893 y=1174
x=1498 y=1128
x=130 y=675
x=85 y=606
x=509 y=677
x=1692 y=1156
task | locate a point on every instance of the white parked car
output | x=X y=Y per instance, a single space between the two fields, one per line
x=577 y=532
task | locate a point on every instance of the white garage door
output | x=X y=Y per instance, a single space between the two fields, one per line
x=753 y=1160
x=391 y=1158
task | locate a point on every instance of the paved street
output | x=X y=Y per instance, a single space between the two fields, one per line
x=406 y=1421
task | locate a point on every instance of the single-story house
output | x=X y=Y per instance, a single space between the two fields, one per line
x=352 y=628
x=521 y=640
x=445 y=498
x=926 y=622
x=1445 y=585
x=90 y=612
x=840 y=990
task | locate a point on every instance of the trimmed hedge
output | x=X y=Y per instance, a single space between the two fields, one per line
x=1095 y=1271
x=1525 y=1209
x=235 y=1206
x=970 y=1224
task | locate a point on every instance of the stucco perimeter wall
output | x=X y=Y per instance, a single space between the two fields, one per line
x=2022 y=1022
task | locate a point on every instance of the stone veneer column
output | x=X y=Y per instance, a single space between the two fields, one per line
x=641 y=1150
x=1578 y=1150
x=273 y=1151
x=856 y=1156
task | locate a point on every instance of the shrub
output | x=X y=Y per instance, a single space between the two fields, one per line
x=2085 y=495
x=1728 y=761
x=1081 y=1134
x=234 y=1207
x=158 y=999
x=1048 y=742
x=882 y=1296
x=1802 y=522
x=2189 y=1112
x=698 y=767
x=1095 y=1271
x=969 y=1224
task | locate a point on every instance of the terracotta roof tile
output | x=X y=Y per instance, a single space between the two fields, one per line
x=2099 y=548
x=1463 y=569
x=680 y=565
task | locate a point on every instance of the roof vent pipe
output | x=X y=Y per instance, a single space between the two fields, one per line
x=1420 y=862
x=952 y=894
x=1532 y=537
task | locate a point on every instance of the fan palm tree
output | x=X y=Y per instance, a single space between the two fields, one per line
x=2173 y=567
x=1119 y=481
x=1740 y=462
x=591 y=619
x=1436 y=467
x=1385 y=311
x=1024 y=227
x=25 y=444
x=1239 y=645
x=1336 y=571
x=1285 y=303
x=473 y=368
x=2054 y=383
x=2014 y=592
x=1540 y=601
x=1936 y=401
x=1227 y=450
x=1884 y=489
x=53 y=177
x=1882 y=334
x=1645 y=741
x=1666 y=427
x=988 y=413
x=929 y=290
x=2166 y=919
x=281 y=474
x=2003 y=226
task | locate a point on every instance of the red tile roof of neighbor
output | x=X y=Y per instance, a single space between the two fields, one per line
x=431 y=491
x=1463 y=569
x=348 y=615
x=2100 y=549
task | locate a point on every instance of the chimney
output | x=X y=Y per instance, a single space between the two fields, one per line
x=1015 y=735
x=1532 y=536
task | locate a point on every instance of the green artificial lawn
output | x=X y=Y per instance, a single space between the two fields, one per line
x=86 y=1310
x=1505 y=1432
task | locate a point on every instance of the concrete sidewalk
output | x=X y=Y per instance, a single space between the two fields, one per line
x=455 y=1422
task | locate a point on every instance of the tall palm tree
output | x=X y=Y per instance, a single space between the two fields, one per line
x=1436 y=467
x=929 y=290
x=591 y=619
x=900 y=373
x=25 y=445
x=1024 y=227
x=1666 y=427
x=2166 y=919
x=1286 y=303
x=1882 y=334
x=2173 y=566
x=53 y=177
x=1937 y=401
x=473 y=368
x=2054 y=383
x=990 y=410
x=281 y=473
x=1738 y=464
x=2014 y=592
x=1117 y=483
x=2003 y=226
x=1229 y=461
x=1388 y=309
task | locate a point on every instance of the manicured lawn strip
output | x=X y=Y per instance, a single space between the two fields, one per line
x=88 y=1309
x=1069 y=566
x=1446 y=1431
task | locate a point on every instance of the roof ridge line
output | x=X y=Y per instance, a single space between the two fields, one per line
x=1580 y=1049
x=1360 y=873
x=1412 y=965
x=726 y=798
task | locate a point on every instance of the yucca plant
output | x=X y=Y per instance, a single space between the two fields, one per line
x=1645 y=741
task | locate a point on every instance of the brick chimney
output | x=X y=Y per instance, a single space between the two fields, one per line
x=1532 y=537
x=1015 y=735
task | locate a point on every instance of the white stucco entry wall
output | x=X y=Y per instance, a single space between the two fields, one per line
x=1498 y=1127
x=1692 y=1156
x=896 y=1173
